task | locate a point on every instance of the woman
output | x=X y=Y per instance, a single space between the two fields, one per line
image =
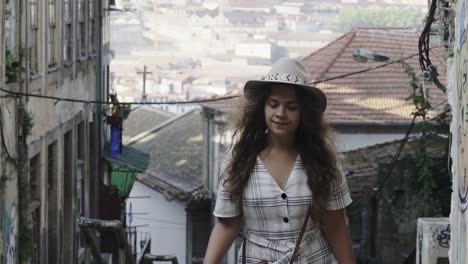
x=283 y=171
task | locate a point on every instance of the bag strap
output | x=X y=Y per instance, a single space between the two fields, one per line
x=299 y=239
x=298 y=242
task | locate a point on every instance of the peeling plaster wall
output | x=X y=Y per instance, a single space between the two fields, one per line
x=8 y=183
x=9 y=198
x=52 y=120
x=49 y=114
x=458 y=99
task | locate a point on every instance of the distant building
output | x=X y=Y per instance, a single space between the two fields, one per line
x=173 y=84
x=261 y=49
x=350 y=1
x=301 y=44
x=289 y=9
x=206 y=87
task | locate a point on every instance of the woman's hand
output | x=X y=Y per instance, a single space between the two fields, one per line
x=221 y=239
x=338 y=237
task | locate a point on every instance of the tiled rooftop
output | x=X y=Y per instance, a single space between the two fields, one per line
x=175 y=167
x=143 y=118
x=375 y=97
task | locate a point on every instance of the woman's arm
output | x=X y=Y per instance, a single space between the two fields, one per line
x=221 y=239
x=338 y=237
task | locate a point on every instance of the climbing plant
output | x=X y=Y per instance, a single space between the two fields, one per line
x=13 y=68
x=432 y=173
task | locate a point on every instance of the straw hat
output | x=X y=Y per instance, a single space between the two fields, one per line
x=289 y=71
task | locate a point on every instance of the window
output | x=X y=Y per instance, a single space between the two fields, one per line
x=92 y=26
x=11 y=26
x=34 y=31
x=81 y=37
x=52 y=204
x=93 y=165
x=52 y=36
x=80 y=204
x=80 y=184
x=34 y=179
x=69 y=221
x=68 y=32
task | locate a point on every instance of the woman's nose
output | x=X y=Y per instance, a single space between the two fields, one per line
x=280 y=112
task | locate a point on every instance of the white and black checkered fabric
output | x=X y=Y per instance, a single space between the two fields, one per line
x=273 y=217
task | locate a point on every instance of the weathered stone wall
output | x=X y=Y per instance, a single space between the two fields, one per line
x=458 y=99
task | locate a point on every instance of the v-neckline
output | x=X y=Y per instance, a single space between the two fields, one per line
x=273 y=178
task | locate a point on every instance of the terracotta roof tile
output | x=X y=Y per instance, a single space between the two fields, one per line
x=379 y=96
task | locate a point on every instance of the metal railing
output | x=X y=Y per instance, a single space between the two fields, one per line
x=127 y=242
x=114 y=226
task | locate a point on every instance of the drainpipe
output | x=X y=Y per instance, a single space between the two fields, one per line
x=99 y=94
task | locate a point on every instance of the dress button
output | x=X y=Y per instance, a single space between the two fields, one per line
x=284 y=196
x=285 y=220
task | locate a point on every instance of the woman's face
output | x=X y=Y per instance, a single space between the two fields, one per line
x=282 y=111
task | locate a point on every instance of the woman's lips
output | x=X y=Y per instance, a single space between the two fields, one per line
x=279 y=123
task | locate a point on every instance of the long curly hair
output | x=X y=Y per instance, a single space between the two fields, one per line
x=313 y=140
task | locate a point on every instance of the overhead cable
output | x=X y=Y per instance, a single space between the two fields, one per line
x=65 y=99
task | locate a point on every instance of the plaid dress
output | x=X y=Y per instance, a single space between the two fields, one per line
x=273 y=217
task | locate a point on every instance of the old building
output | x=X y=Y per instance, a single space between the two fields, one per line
x=458 y=98
x=174 y=206
x=50 y=148
x=386 y=204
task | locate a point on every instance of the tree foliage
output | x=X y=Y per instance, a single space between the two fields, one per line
x=350 y=17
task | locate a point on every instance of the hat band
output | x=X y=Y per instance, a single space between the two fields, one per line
x=285 y=77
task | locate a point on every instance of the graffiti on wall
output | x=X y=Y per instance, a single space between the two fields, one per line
x=10 y=232
x=442 y=236
x=462 y=85
x=461 y=125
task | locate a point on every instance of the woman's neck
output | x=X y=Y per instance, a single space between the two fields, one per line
x=281 y=143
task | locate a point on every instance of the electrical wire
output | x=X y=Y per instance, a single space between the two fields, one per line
x=65 y=99
x=58 y=99
x=429 y=70
x=366 y=69
x=397 y=154
x=424 y=60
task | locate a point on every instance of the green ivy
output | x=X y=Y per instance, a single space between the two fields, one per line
x=28 y=123
x=431 y=173
x=13 y=68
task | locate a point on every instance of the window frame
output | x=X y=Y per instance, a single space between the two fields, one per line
x=52 y=36
x=67 y=32
x=34 y=37
x=81 y=31
x=92 y=27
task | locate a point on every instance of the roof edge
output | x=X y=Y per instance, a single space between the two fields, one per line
x=143 y=135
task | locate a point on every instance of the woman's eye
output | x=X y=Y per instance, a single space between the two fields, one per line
x=292 y=107
x=273 y=104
